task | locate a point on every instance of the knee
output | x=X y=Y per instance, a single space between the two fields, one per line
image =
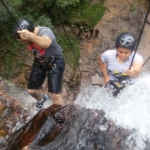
x=57 y=99
x=31 y=92
x=55 y=96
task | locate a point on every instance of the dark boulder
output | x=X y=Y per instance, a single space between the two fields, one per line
x=70 y=128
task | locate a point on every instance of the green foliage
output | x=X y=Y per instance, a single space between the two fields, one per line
x=70 y=49
x=44 y=13
x=66 y=3
x=89 y=15
x=8 y=58
x=44 y=21
x=14 y=2
x=134 y=5
x=94 y=14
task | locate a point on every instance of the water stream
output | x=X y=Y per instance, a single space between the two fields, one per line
x=130 y=110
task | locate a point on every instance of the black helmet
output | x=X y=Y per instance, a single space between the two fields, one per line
x=126 y=40
x=20 y=25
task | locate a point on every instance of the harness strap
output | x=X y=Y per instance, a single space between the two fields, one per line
x=49 y=61
x=145 y=19
x=115 y=87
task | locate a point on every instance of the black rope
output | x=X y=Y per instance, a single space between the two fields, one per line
x=10 y=13
x=149 y=56
x=72 y=47
x=140 y=34
x=146 y=60
x=14 y=19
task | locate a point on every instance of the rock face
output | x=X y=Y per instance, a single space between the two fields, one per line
x=71 y=128
x=120 y=16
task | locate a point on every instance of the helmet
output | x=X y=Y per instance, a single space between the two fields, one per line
x=126 y=40
x=22 y=24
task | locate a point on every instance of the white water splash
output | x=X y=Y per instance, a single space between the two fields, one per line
x=130 y=110
x=27 y=102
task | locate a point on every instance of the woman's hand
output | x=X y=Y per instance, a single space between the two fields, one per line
x=130 y=72
x=106 y=79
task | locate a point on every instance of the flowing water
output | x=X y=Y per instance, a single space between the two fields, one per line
x=28 y=104
x=130 y=110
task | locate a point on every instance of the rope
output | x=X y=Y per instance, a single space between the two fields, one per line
x=72 y=47
x=146 y=61
x=13 y=18
x=140 y=35
x=10 y=13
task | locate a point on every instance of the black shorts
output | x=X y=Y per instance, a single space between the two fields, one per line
x=53 y=73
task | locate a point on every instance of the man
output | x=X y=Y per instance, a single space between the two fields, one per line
x=115 y=64
x=86 y=32
x=91 y=32
x=96 y=33
x=80 y=31
x=48 y=60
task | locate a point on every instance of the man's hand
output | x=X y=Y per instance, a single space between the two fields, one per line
x=42 y=41
x=25 y=34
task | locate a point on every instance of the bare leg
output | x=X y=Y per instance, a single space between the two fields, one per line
x=57 y=99
x=37 y=94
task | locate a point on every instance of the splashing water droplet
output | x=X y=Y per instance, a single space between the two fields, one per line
x=129 y=110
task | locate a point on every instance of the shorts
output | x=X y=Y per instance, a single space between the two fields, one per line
x=54 y=75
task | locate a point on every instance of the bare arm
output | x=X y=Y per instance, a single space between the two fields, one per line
x=135 y=69
x=103 y=68
x=42 y=41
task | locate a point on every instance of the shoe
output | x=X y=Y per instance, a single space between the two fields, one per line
x=40 y=104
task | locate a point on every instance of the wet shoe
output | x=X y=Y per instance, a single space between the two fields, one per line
x=40 y=104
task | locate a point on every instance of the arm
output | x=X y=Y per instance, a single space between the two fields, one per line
x=135 y=69
x=42 y=41
x=103 y=68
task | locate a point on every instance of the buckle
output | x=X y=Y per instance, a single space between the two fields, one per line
x=117 y=85
x=52 y=58
x=124 y=83
x=54 y=66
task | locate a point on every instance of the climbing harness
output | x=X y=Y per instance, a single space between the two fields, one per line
x=120 y=73
x=119 y=85
x=21 y=24
x=60 y=22
x=115 y=87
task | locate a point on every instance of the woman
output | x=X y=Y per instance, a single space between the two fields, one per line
x=115 y=64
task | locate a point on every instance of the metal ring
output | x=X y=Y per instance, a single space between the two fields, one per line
x=52 y=58
x=54 y=66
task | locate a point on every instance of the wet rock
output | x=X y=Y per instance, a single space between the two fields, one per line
x=79 y=128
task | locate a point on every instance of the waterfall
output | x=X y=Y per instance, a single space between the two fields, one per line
x=130 y=109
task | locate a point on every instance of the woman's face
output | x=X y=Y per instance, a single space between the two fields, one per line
x=123 y=53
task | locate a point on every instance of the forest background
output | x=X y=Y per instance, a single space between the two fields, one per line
x=56 y=14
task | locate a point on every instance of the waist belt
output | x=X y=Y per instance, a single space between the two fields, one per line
x=47 y=60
